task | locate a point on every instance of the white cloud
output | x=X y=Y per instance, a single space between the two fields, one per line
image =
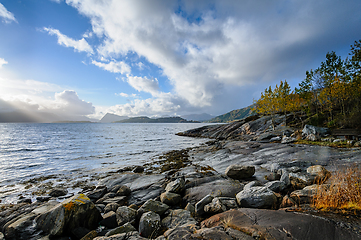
x=6 y=15
x=68 y=102
x=78 y=45
x=142 y=84
x=2 y=62
x=213 y=45
x=114 y=67
x=133 y=95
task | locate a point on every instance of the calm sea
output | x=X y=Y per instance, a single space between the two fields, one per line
x=69 y=151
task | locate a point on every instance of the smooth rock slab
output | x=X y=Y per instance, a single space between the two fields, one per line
x=257 y=197
x=240 y=172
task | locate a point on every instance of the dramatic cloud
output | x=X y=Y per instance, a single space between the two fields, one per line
x=2 y=62
x=78 y=45
x=6 y=16
x=114 y=67
x=205 y=47
x=69 y=103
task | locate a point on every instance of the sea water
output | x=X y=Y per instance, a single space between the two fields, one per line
x=69 y=151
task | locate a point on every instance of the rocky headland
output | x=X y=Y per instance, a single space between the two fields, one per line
x=249 y=181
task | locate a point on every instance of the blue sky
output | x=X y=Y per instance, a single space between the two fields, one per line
x=84 y=58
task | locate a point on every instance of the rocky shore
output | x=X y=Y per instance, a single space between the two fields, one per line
x=249 y=182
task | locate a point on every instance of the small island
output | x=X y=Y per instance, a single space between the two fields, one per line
x=155 y=120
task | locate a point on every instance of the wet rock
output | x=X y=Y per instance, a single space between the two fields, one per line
x=305 y=195
x=125 y=214
x=126 y=228
x=273 y=176
x=285 y=178
x=176 y=186
x=154 y=206
x=203 y=202
x=138 y=169
x=105 y=197
x=100 y=207
x=109 y=220
x=74 y=212
x=177 y=218
x=252 y=184
x=96 y=194
x=191 y=208
x=149 y=225
x=257 y=197
x=111 y=207
x=121 y=200
x=276 y=186
x=43 y=198
x=58 y=192
x=239 y=172
x=319 y=172
x=123 y=191
x=170 y=198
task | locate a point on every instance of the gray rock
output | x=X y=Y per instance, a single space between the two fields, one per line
x=191 y=208
x=125 y=214
x=123 y=236
x=121 y=229
x=213 y=233
x=305 y=195
x=275 y=139
x=123 y=191
x=58 y=192
x=287 y=139
x=149 y=225
x=287 y=202
x=170 y=198
x=176 y=186
x=105 y=197
x=96 y=194
x=109 y=220
x=309 y=129
x=178 y=218
x=203 y=202
x=285 y=178
x=357 y=144
x=138 y=169
x=181 y=232
x=238 y=235
x=121 y=200
x=252 y=184
x=257 y=197
x=313 y=137
x=2 y=237
x=276 y=186
x=321 y=174
x=111 y=207
x=154 y=206
x=273 y=176
x=266 y=136
x=220 y=204
x=74 y=212
x=239 y=172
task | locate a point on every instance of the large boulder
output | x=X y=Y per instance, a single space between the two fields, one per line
x=320 y=173
x=220 y=204
x=176 y=186
x=239 y=172
x=149 y=225
x=78 y=211
x=125 y=214
x=316 y=131
x=304 y=195
x=257 y=197
x=170 y=198
x=154 y=206
x=177 y=218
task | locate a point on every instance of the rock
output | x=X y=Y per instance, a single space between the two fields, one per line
x=100 y=207
x=285 y=178
x=111 y=207
x=170 y=198
x=287 y=139
x=317 y=131
x=58 y=192
x=321 y=174
x=123 y=236
x=220 y=204
x=203 y=202
x=276 y=186
x=176 y=186
x=90 y=235
x=300 y=180
x=125 y=214
x=280 y=224
x=182 y=232
x=239 y=172
x=191 y=208
x=123 y=191
x=275 y=139
x=252 y=184
x=313 y=137
x=273 y=176
x=109 y=220
x=215 y=185
x=287 y=202
x=149 y=225
x=235 y=234
x=43 y=198
x=177 y=218
x=74 y=212
x=121 y=200
x=213 y=233
x=138 y=169
x=105 y=197
x=257 y=197
x=154 y=206
x=2 y=237
x=80 y=232
x=357 y=144
x=21 y=228
x=96 y=194
x=266 y=136
x=122 y=229
x=305 y=195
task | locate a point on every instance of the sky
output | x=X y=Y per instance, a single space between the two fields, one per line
x=85 y=58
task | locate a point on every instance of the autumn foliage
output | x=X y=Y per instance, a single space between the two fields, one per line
x=329 y=95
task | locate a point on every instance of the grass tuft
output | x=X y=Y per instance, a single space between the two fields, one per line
x=342 y=194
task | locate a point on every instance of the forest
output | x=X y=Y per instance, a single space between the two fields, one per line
x=329 y=96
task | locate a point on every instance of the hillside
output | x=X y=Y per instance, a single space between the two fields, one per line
x=155 y=120
x=198 y=117
x=233 y=115
x=110 y=117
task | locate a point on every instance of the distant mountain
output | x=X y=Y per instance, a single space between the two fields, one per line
x=25 y=116
x=155 y=120
x=198 y=117
x=110 y=117
x=234 y=115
